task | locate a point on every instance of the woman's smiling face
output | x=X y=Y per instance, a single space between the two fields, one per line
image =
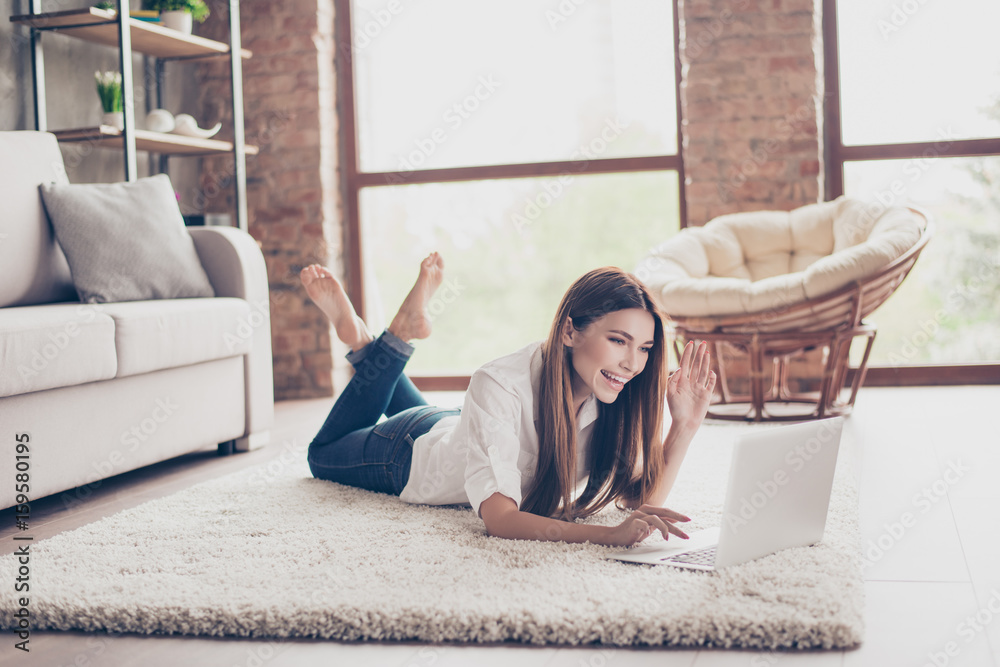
x=609 y=353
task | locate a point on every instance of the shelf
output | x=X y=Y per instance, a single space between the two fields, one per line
x=101 y=27
x=105 y=136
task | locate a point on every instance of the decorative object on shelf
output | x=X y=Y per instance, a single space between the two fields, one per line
x=115 y=119
x=160 y=120
x=187 y=126
x=208 y=220
x=109 y=88
x=179 y=14
x=177 y=20
x=148 y=15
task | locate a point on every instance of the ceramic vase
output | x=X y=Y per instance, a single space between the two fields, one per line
x=180 y=21
x=115 y=119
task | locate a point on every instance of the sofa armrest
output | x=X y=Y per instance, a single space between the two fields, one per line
x=235 y=267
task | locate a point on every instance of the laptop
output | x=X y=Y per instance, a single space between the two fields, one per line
x=777 y=497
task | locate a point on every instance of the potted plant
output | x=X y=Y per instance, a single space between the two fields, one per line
x=178 y=14
x=109 y=89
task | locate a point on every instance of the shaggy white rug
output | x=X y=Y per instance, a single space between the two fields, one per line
x=270 y=552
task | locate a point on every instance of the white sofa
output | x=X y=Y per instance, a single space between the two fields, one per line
x=101 y=389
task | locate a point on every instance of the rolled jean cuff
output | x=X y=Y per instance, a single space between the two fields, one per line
x=403 y=349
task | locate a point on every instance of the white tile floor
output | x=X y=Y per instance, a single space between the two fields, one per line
x=933 y=586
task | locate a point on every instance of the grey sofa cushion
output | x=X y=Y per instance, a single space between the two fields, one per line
x=125 y=241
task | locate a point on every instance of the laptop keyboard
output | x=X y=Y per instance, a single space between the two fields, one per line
x=704 y=556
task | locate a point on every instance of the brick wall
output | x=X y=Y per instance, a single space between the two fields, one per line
x=751 y=95
x=292 y=185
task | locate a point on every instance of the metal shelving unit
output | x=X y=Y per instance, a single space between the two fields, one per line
x=129 y=36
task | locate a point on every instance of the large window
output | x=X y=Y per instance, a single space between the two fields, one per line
x=527 y=141
x=913 y=117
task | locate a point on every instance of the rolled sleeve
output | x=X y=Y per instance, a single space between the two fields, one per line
x=490 y=419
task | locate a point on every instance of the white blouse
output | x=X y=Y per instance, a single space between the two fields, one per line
x=493 y=446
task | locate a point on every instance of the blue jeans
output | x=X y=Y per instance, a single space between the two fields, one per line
x=352 y=447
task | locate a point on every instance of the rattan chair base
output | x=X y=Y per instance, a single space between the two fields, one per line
x=769 y=355
x=776 y=411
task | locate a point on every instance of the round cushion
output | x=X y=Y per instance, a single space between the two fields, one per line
x=758 y=261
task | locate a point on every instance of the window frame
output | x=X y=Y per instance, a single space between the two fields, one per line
x=836 y=155
x=353 y=179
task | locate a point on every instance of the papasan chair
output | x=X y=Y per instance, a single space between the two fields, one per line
x=780 y=296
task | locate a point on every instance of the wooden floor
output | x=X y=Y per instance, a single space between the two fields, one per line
x=930 y=474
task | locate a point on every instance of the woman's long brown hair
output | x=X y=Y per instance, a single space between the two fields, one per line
x=627 y=433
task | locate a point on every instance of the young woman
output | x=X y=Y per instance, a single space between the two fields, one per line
x=582 y=408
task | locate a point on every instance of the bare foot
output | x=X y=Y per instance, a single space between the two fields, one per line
x=327 y=293
x=412 y=321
